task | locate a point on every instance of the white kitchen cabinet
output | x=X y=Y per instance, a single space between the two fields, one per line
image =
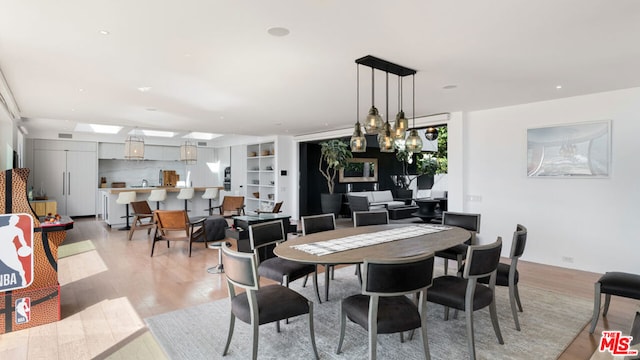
x=68 y=176
x=171 y=153
x=111 y=151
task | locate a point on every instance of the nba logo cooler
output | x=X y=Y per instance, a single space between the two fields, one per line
x=16 y=251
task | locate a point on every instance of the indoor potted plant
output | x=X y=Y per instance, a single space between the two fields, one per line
x=333 y=157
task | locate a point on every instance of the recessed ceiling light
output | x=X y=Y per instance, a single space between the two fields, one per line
x=144 y=88
x=81 y=90
x=449 y=87
x=104 y=32
x=558 y=87
x=98 y=128
x=278 y=31
x=151 y=109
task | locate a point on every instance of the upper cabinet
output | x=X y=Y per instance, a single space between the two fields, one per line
x=115 y=151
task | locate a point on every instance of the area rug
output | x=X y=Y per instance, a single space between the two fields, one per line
x=549 y=323
x=75 y=248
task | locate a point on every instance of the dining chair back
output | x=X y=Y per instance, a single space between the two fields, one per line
x=382 y=307
x=142 y=217
x=372 y=217
x=466 y=293
x=263 y=238
x=358 y=203
x=174 y=225
x=255 y=306
x=317 y=223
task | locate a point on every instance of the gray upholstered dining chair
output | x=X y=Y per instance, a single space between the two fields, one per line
x=458 y=253
x=466 y=293
x=316 y=223
x=383 y=307
x=264 y=237
x=255 y=306
x=358 y=203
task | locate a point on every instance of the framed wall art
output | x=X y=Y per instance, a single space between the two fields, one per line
x=573 y=150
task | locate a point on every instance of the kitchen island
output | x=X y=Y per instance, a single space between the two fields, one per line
x=114 y=214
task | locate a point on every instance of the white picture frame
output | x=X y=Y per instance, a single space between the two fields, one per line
x=580 y=150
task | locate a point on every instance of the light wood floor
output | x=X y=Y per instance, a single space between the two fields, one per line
x=171 y=280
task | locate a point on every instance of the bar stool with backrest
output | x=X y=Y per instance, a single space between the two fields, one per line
x=158 y=195
x=210 y=194
x=125 y=198
x=185 y=194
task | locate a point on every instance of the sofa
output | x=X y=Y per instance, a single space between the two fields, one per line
x=382 y=199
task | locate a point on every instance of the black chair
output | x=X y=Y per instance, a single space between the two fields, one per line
x=264 y=237
x=613 y=283
x=373 y=217
x=317 y=223
x=467 y=221
x=507 y=274
x=259 y=305
x=383 y=307
x=465 y=293
x=358 y=203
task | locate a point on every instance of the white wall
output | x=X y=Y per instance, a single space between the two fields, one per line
x=7 y=132
x=591 y=221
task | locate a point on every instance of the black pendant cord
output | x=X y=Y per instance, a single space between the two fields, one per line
x=387 y=109
x=358 y=95
x=373 y=86
x=414 y=101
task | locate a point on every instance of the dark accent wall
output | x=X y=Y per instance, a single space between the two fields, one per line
x=312 y=183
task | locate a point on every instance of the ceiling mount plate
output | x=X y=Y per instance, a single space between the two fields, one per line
x=384 y=65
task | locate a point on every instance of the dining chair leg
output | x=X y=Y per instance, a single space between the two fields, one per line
x=232 y=322
x=494 y=321
x=311 y=332
x=607 y=300
x=470 y=339
x=514 y=310
x=315 y=284
x=596 y=308
x=254 y=340
x=343 y=322
x=373 y=328
x=326 y=282
x=517 y=296
x=304 y=283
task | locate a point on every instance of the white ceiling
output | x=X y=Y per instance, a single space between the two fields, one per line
x=212 y=66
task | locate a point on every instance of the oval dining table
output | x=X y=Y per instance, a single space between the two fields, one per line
x=421 y=244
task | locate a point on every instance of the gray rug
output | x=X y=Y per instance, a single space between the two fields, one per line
x=550 y=322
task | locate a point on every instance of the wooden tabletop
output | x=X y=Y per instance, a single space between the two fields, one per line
x=428 y=243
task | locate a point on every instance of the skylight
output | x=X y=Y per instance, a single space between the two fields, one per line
x=153 y=133
x=201 y=136
x=98 y=128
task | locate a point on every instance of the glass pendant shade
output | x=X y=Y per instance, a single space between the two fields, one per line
x=400 y=127
x=358 y=140
x=385 y=140
x=373 y=122
x=189 y=152
x=431 y=133
x=134 y=148
x=414 y=142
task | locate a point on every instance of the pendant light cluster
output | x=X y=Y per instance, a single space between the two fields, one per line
x=388 y=137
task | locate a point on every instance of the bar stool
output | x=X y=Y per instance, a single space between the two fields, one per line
x=185 y=194
x=158 y=196
x=125 y=198
x=210 y=194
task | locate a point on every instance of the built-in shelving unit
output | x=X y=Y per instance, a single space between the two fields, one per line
x=261 y=177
